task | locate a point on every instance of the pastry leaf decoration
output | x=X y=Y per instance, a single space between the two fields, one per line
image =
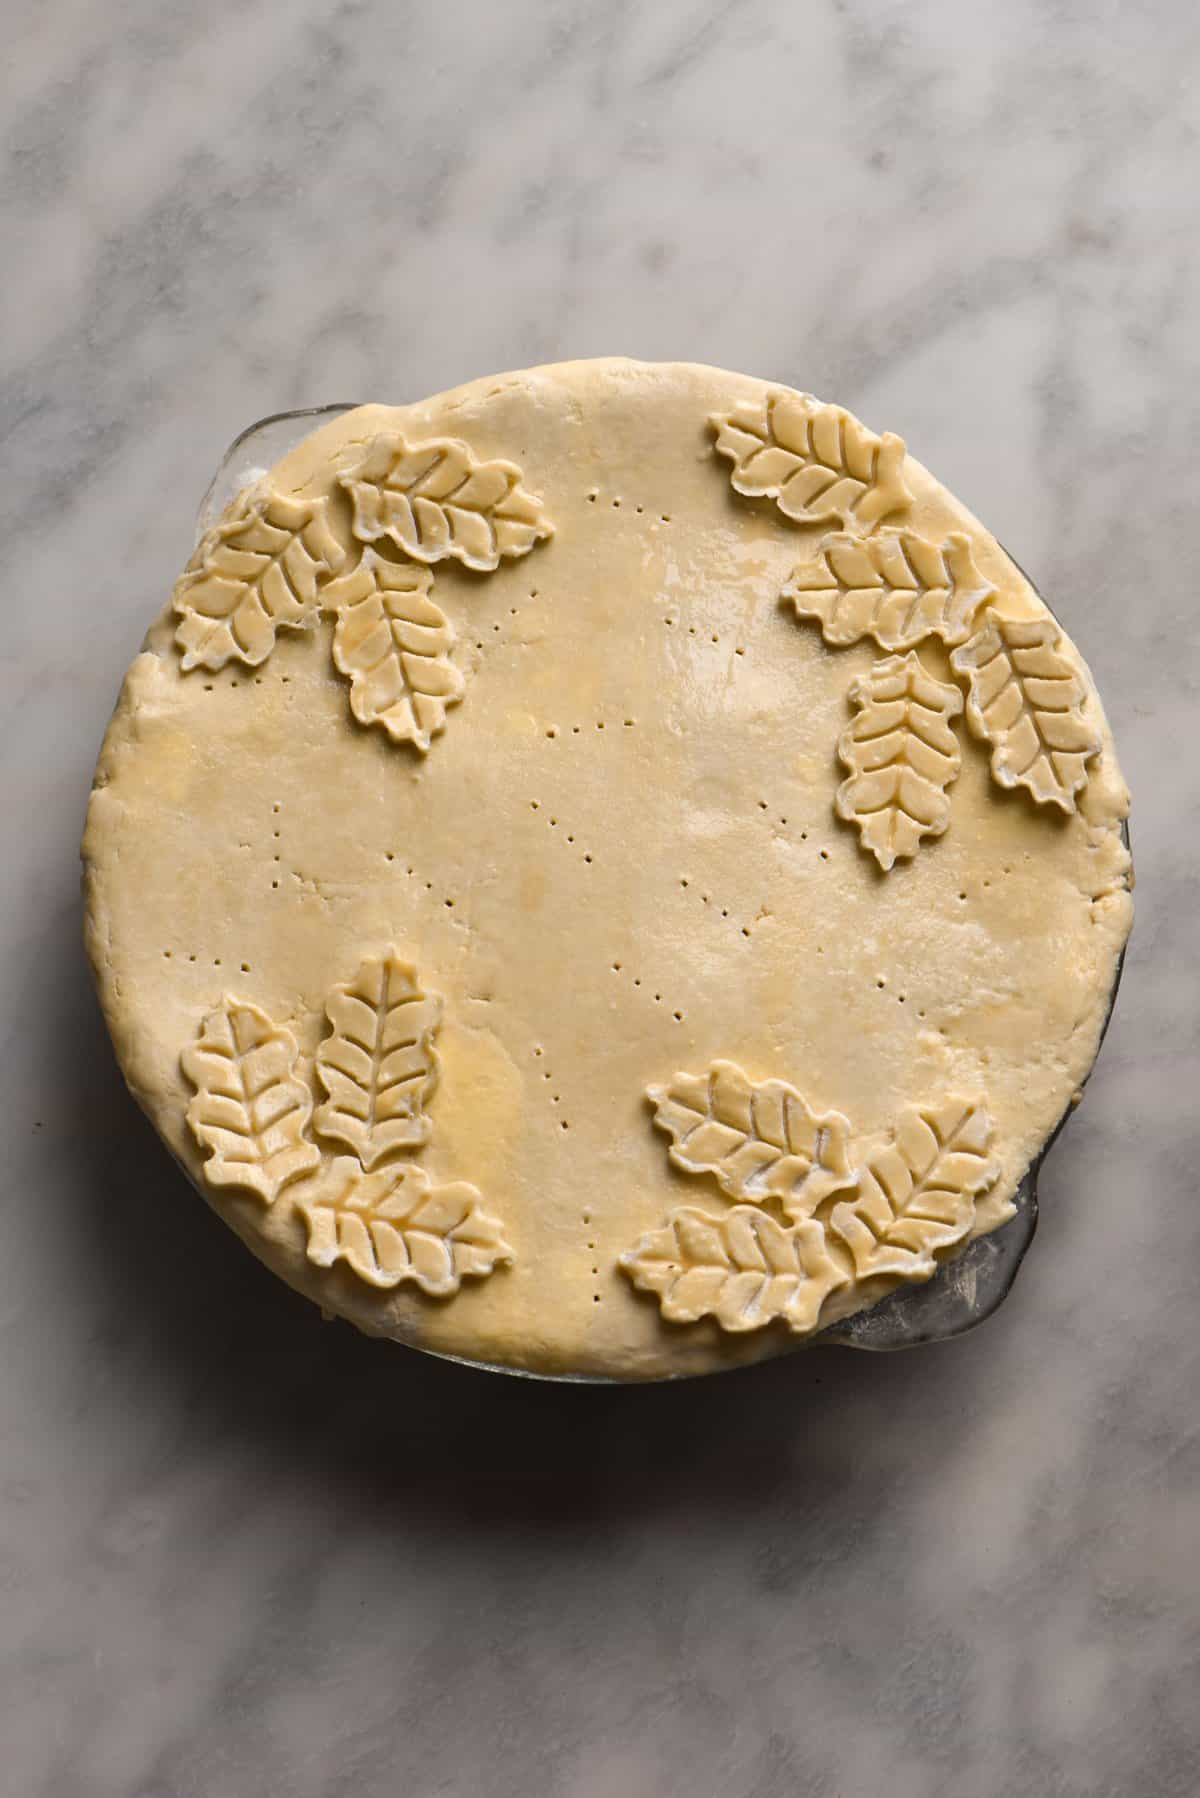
x=901 y=588
x=437 y=499
x=1026 y=700
x=255 y=572
x=381 y=1216
x=815 y=461
x=275 y=562
x=902 y=755
x=394 y=1225
x=393 y=644
x=917 y=1192
x=897 y=587
x=889 y=1206
x=758 y=1142
x=250 y=1111
x=744 y=1269
x=378 y=1067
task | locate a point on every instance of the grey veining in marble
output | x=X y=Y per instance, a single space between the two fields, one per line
x=241 y=1552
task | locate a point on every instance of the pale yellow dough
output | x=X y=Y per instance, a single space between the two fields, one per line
x=618 y=861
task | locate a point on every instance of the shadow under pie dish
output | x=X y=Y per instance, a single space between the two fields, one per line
x=609 y=873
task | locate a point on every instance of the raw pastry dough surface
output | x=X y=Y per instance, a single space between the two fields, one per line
x=606 y=871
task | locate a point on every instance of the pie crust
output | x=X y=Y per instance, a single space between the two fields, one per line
x=606 y=872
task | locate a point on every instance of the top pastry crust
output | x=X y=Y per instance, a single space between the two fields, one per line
x=606 y=871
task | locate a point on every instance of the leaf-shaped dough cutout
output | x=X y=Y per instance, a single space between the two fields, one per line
x=917 y=1191
x=744 y=1269
x=250 y=1111
x=1026 y=700
x=379 y=1066
x=436 y=499
x=257 y=570
x=395 y=1225
x=817 y=462
x=896 y=587
x=758 y=1142
x=394 y=643
x=902 y=754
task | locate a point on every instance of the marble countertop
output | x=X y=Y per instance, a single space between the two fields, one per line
x=243 y=1552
